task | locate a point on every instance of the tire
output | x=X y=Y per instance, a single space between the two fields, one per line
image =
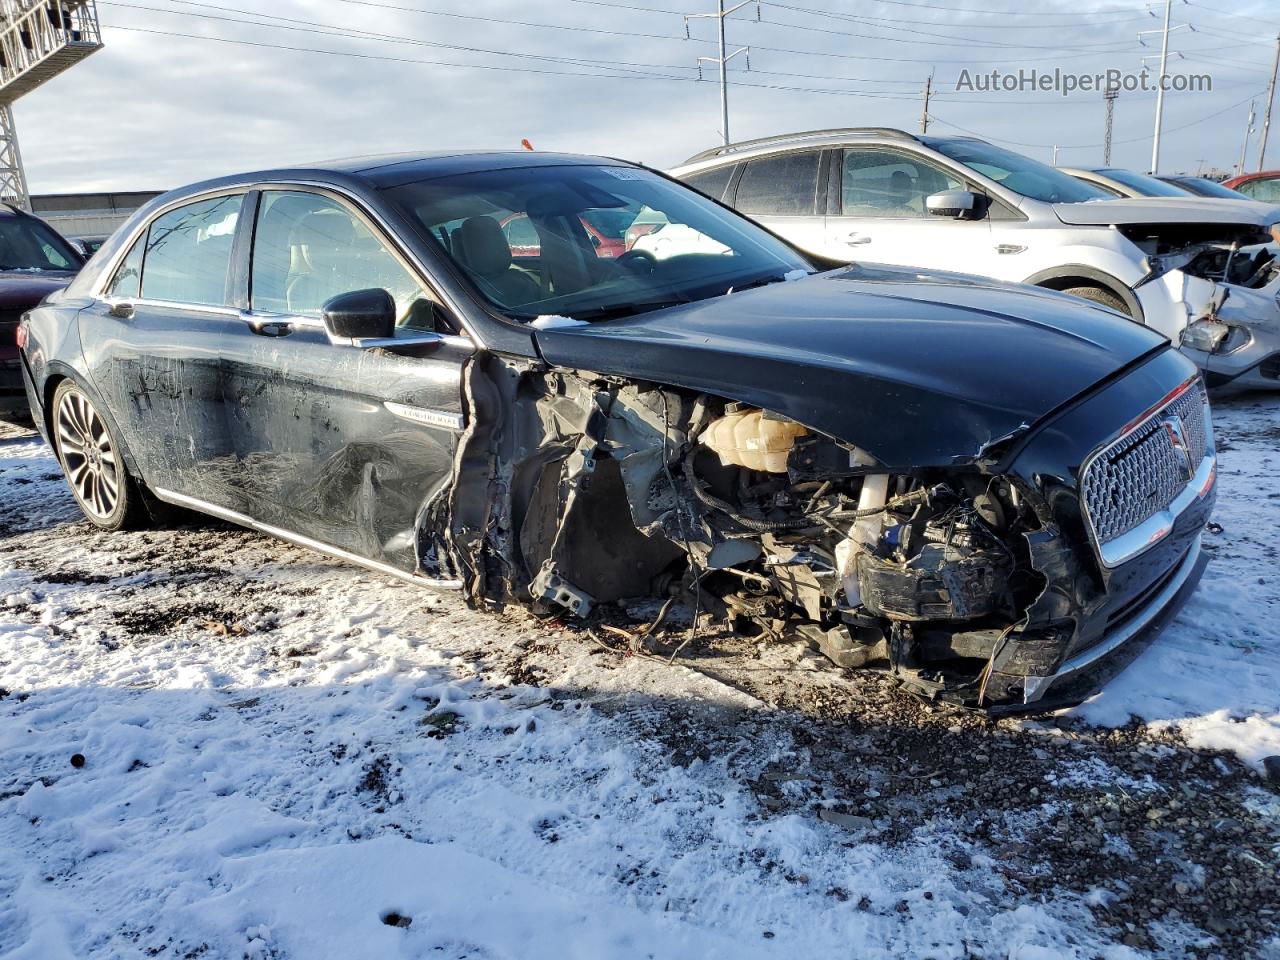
x=1100 y=295
x=91 y=459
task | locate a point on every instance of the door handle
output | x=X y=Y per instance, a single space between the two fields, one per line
x=855 y=239
x=270 y=328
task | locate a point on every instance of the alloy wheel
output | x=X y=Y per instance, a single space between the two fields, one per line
x=87 y=455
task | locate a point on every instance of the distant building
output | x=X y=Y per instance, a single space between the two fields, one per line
x=88 y=214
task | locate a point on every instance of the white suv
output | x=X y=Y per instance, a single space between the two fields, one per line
x=962 y=204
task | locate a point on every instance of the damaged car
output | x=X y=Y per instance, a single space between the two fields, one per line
x=988 y=490
x=1194 y=269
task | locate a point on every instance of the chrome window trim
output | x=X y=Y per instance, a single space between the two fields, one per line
x=171 y=305
x=383 y=230
x=108 y=274
x=233 y=516
x=1160 y=524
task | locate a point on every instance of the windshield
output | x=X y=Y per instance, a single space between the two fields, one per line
x=592 y=242
x=1013 y=171
x=1208 y=188
x=1146 y=186
x=27 y=244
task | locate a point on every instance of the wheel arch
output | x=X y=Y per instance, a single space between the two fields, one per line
x=59 y=372
x=1078 y=275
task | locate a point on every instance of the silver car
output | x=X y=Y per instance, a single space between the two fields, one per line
x=962 y=204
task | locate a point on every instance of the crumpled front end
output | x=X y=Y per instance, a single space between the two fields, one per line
x=975 y=584
x=1225 y=280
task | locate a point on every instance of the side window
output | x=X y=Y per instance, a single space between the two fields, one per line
x=886 y=183
x=55 y=257
x=308 y=248
x=1268 y=191
x=1105 y=188
x=711 y=182
x=522 y=238
x=127 y=282
x=784 y=185
x=188 y=252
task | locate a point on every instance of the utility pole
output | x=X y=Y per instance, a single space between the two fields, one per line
x=924 y=114
x=1248 y=129
x=1266 y=116
x=722 y=60
x=1109 y=98
x=1164 y=59
x=1055 y=154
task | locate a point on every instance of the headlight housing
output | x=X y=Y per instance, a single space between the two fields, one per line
x=1214 y=336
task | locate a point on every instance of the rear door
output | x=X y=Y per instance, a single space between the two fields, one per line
x=785 y=192
x=153 y=341
x=340 y=442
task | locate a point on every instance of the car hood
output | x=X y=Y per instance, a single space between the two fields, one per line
x=918 y=369
x=1136 y=210
x=20 y=289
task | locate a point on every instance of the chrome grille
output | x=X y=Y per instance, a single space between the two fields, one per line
x=1141 y=473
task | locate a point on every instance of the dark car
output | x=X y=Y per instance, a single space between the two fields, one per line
x=34 y=261
x=985 y=488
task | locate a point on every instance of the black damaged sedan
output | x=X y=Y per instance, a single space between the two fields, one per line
x=567 y=381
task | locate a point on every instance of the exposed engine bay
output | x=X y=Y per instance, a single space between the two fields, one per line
x=1233 y=254
x=603 y=490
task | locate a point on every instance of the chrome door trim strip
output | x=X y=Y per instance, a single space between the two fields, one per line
x=203 y=506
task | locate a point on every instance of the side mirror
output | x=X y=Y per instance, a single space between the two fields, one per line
x=951 y=203
x=360 y=314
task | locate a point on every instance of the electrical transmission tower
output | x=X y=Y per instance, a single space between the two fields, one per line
x=723 y=60
x=1109 y=97
x=38 y=40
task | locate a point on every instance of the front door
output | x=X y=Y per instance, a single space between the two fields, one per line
x=883 y=218
x=339 y=442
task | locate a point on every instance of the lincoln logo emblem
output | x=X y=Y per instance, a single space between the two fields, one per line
x=1176 y=431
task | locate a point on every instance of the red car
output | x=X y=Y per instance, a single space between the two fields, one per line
x=523 y=239
x=1263 y=185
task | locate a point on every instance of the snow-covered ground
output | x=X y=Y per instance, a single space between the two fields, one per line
x=215 y=745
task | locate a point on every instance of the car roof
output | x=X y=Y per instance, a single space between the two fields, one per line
x=806 y=137
x=1246 y=177
x=392 y=169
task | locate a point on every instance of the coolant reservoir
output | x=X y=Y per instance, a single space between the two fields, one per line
x=748 y=439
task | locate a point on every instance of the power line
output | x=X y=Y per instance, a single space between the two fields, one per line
x=325 y=29
x=506 y=69
x=1075 y=146
x=385 y=5
x=622 y=68
x=946 y=41
x=953 y=9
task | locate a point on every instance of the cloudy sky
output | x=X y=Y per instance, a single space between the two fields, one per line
x=185 y=90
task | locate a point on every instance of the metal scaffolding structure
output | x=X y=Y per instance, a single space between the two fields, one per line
x=38 y=40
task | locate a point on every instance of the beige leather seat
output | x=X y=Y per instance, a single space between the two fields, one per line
x=326 y=241
x=480 y=246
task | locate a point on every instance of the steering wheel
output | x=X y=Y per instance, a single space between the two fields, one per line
x=637 y=261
